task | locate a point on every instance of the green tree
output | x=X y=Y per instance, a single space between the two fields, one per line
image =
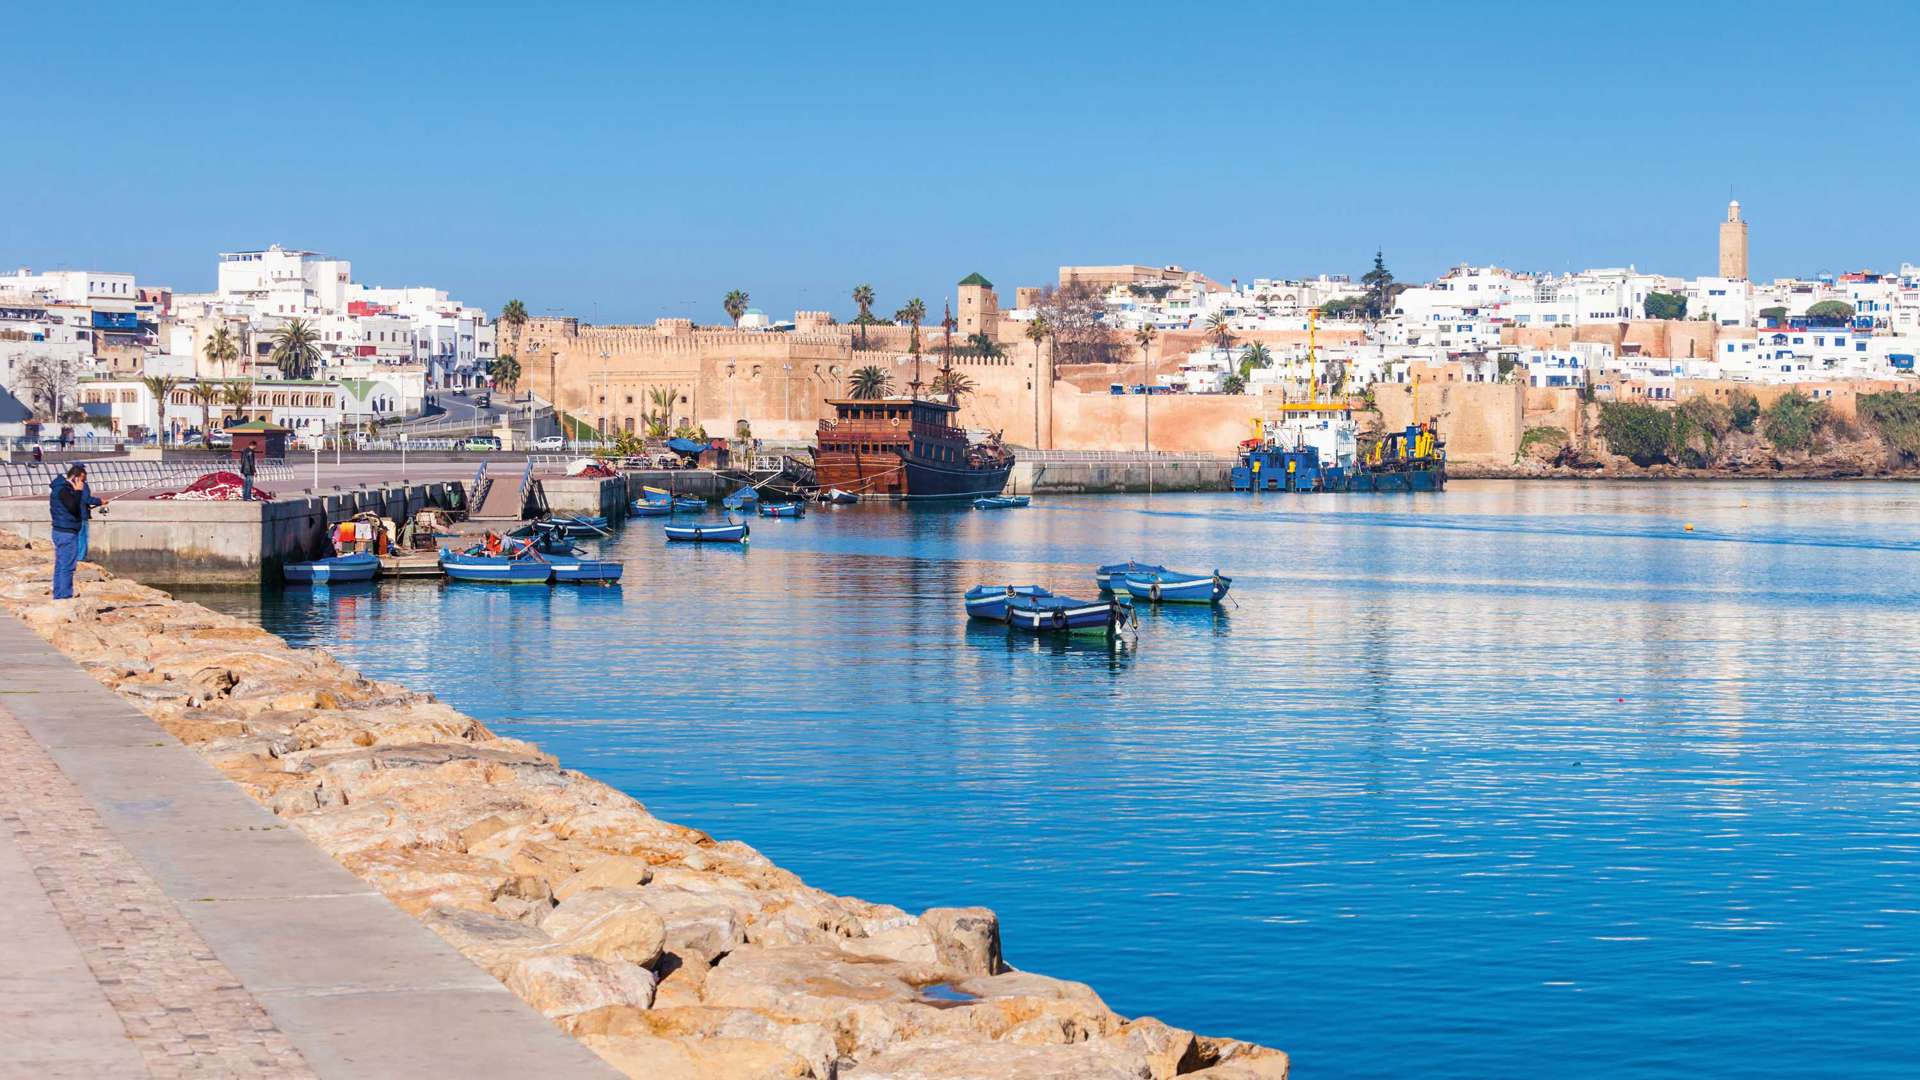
x=1776 y=313
x=237 y=395
x=663 y=399
x=1234 y=384
x=1662 y=305
x=1037 y=331
x=296 y=349
x=206 y=394
x=953 y=385
x=1831 y=310
x=1220 y=325
x=1144 y=336
x=514 y=314
x=870 y=384
x=736 y=305
x=160 y=386
x=505 y=371
x=863 y=296
x=1254 y=356
x=1379 y=285
x=1793 y=420
x=913 y=314
x=1344 y=307
x=981 y=343
x=1743 y=409
x=221 y=348
x=1896 y=417
x=1641 y=433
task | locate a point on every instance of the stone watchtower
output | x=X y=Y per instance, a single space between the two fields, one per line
x=1733 y=244
x=979 y=308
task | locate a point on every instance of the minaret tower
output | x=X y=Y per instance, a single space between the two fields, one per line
x=1733 y=244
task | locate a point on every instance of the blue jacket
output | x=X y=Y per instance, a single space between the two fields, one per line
x=88 y=501
x=65 y=505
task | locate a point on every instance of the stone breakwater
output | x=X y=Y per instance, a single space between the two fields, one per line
x=669 y=953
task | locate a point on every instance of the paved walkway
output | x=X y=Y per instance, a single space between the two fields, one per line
x=157 y=921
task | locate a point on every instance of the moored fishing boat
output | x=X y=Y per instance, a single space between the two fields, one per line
x=497 y=569
x=689 y=504
x=990 y=601
x=355 y=567
x=744 y=497
x=786 y=510
x=574 y=525
x=1066 y=615
x=644 y=508
x=574 y=570
x=1001 y=502
x=1112 y=577
x=730 y=533
x=839 y=498
x=1165 y=586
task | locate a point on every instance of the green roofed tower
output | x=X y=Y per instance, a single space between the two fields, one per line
x=977 y=309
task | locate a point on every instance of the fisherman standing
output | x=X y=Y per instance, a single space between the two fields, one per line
x=65 y=505
x=246 y=474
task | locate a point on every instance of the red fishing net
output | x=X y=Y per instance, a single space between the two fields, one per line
x=217 y=487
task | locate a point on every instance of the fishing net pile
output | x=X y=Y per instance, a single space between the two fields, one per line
x=216 y=487
x=590 y=467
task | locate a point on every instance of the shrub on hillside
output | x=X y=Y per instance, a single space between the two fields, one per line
x=1895 y=416
x=1793 y=420
x=1698 y=425
x=1745 y=409
x=1642 y=434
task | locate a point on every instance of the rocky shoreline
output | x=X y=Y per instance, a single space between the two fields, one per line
x=667 y=952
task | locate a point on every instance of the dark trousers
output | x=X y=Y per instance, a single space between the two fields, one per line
x=66 y=552
x=246 y=486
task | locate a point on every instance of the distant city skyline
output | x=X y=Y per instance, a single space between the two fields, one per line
x=582 y=166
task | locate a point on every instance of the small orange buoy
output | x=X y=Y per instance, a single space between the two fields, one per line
x=1689 y=526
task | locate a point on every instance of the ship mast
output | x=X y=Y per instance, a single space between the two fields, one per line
x=946 y=355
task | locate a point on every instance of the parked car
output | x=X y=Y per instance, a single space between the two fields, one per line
x=483 y=400
x=481 y=443
x=220 y=437
x=550 y=443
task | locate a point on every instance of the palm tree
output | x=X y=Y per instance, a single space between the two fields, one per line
x=238 y=396
x=953 y=384
x=1234 y=384
x=221 y=348
x=160 y=386
x=1037 y=330
x=205 y=394
x=1221 y=327
x=870 y=384
x=1254 y=356
x=514 y=314
x=913 y=314
x=506 y=373
x=663 y=398
x=1145 y=337
x=735 y=305
x=863 y=296
x=296 y=351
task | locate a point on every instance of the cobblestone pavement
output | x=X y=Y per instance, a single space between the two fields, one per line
x=187 y=1015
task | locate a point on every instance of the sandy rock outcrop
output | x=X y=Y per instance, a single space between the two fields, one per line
x=668 y=952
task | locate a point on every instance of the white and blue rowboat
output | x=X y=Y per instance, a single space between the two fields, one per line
x=355 y=567
x=1113 y=577
x=730 y=533
x=574 y=526
x=1001 y=502
x=645 y=508
x=688 y=504
x=1065 y=615
x=839 y=498
x=1173 y=587
x=791 y=510
x=498 y=569
x=990 y=601
x=744 y=497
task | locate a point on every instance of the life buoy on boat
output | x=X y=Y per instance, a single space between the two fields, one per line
x=1059 y=619
x=895 y=422
x=1153 y=591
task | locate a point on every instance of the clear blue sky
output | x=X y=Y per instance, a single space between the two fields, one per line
x=622 y=161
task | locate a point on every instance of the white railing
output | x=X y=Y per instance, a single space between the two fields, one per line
x=30 y=478
x=1117 y=456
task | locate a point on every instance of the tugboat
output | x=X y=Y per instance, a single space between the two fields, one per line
x=908 y=448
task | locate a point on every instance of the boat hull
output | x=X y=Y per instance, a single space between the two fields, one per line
x=495 y=570
x=1112 y=577
x=1178 y=588
x=1064 y=615
x=585 y=571
x=647 y=509
x=787 y=510
x=875 y=475
x=990 y=601
x=708 y=534
x=339 y=568
x=932 y=480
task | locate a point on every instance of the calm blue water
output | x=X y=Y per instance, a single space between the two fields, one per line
x=1520 y=779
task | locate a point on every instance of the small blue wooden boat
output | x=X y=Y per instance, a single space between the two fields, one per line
x=1065 y=615
x=544 y=537
x=644 y=508
x=1112 y=577
x=786 y=510
x=730 y=533
x=688 y=504
x=990 y=601
x=741 y=499
x=499 y=569
x=574 y=526
x=356 y=567
x=574 y=570
x=1172 y=587
x=1001 y=502
x=839 y=498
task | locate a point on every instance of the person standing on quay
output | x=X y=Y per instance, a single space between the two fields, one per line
x=64 y=503
x=246 y=474
x=87 y=503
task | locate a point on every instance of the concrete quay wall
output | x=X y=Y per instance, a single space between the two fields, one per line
x=176 y=541
x=1043 y=477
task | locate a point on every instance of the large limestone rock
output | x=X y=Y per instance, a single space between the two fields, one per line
x=608 y=924
x=613 y=872
x=955 y=1059
x=813 y=1043
x=561 y=985
x=646 y=1058
x=967 y=939
x=495 y=943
